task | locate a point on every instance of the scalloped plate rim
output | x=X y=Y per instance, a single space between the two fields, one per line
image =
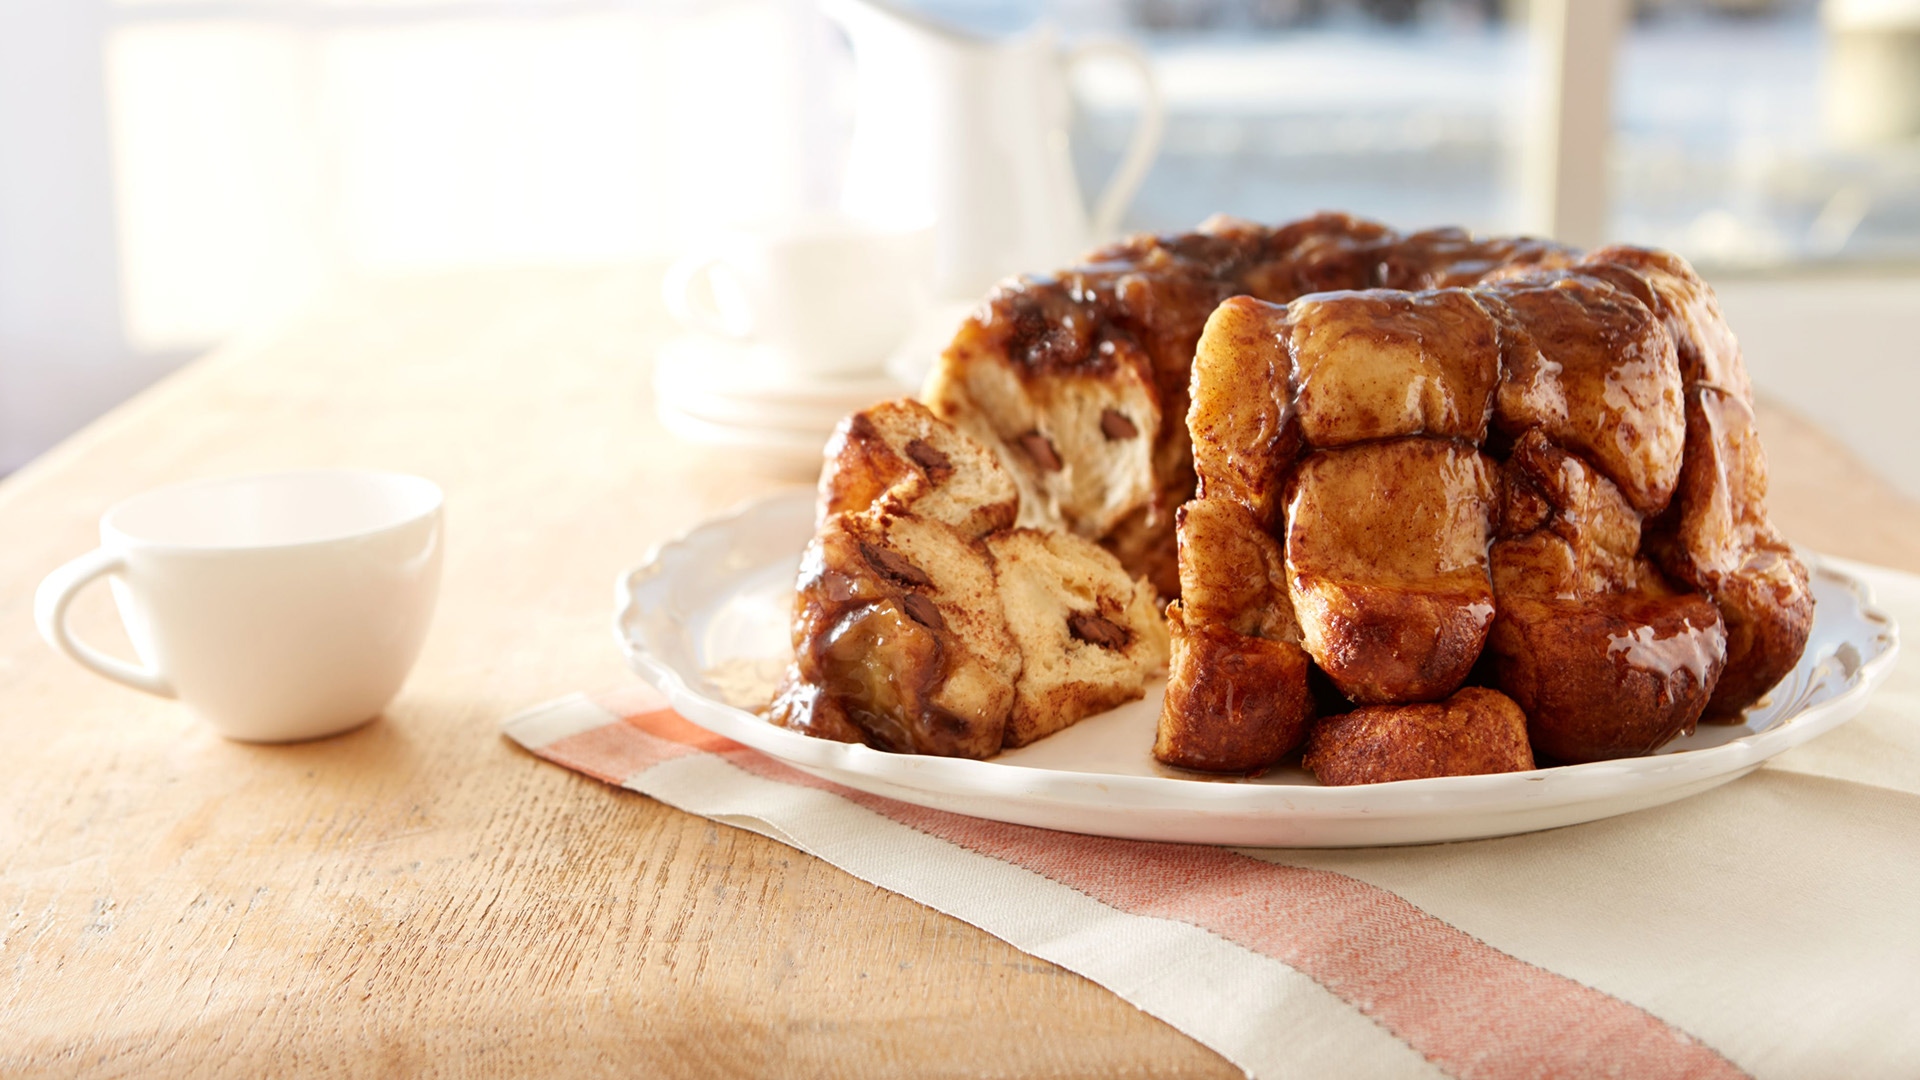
x=938 y=781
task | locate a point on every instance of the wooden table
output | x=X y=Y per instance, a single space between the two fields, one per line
x=419 y=895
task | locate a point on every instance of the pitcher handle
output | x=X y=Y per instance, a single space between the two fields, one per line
x=1144 y=144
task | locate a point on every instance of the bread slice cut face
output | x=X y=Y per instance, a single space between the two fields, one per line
x=925 y=623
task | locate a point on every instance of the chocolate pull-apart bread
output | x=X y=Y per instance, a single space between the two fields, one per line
x=1431 y=466
x=925 y=623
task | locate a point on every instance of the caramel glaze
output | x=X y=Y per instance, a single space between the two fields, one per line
x=1144 y=301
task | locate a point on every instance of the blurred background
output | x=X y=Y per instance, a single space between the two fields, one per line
x=177 y=172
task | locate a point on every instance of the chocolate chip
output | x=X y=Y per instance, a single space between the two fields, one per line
x=923 y=611
x=1115 y=425
x=1098 y=630
x=935 y=464
x=1040 y=450
x=895 y=566
x=860 y=426
x=837 y=586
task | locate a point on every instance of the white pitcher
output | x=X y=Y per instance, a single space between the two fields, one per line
x=969 y=134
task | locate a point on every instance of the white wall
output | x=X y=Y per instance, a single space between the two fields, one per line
x=63 y=355
x=1843 y=352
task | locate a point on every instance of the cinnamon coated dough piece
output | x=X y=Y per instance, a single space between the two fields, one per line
x=1089 y=634
x=1720 y=540
x=1592 y=368
x=1708 y=353
x=1242 y=416
x=901 y=448
x=1380 y=363
x=899 y=638
x=1237 y=697
x=1610 y=676
x=1564 y=529
x=1386 y=550
x=1235 y=703
x=1473 y=732
x=1605 y=658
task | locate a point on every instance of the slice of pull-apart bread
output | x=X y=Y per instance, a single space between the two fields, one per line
x=900 y=447
x=899 y=640
x=1089 y=634
x=924 y=624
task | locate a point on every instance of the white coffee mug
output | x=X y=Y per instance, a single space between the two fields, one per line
x=278 y=607
x=826 y=296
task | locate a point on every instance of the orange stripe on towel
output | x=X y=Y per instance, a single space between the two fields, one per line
x=1469 y=1008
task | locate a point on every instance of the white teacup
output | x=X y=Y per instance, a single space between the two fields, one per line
x=829 y=296
x=279 y=607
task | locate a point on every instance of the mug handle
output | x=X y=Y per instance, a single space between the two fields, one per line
x=683 y=283
x=50 y=612
x=1142 y=147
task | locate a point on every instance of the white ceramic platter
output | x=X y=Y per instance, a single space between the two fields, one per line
x=718 y=599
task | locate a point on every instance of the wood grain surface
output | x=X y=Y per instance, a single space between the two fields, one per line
x=419 y=897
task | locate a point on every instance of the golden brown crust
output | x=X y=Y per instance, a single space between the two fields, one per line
x=1473 y=732
x=1379 y=363
x=1708 y=353
x=1768 y=608
x=1242 y=420
x=1232 y=572
x=1237 y=696
x=1720 y=540
x=1606 y=660
x=1607 y=676
x=1234 y=703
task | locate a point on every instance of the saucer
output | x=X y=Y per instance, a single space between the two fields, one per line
x=706 y=366
x=726 y=394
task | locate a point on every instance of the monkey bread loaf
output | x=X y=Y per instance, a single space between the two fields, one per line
x=1426 y=504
